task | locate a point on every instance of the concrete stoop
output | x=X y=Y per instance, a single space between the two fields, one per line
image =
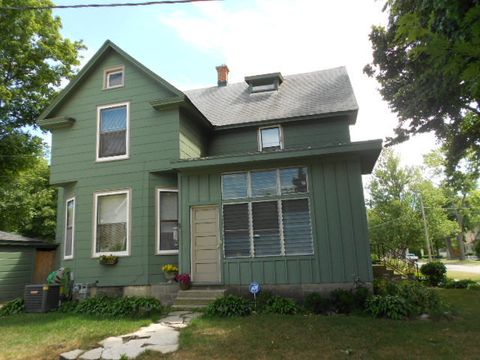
x=197 y=298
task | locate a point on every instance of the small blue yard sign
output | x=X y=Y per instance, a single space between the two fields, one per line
x=254 y=288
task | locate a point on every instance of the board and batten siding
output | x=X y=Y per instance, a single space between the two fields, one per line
x=153 y=143
x=341 y=247
x=16 y=270
x=193 y=138
x=300 y=134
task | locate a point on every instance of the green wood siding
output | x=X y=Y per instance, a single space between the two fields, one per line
x=153 y=143
x=16 y=270
x=341 y=247
x=192 y=138
x=298 y=134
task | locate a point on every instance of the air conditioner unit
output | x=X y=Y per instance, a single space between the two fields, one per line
x=41 y=297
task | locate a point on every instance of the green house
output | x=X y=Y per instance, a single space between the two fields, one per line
x=252 y=181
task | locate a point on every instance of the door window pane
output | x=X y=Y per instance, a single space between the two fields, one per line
x=236 y=230
x=266 y=230
x=293 y=180
x=168 y=220
x=234 y=186
x=297 y=228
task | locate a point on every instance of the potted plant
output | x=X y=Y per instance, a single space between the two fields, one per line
x=170 y=271
x=184 y=281
x=108 y=259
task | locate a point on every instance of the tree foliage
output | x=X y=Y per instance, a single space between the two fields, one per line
x=28 y=203
x=427 y=61
x=34 y=60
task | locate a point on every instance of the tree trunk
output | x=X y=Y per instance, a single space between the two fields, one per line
x=450 y=253
x=461 y=246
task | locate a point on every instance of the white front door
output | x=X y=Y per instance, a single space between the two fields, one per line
x=206 y=266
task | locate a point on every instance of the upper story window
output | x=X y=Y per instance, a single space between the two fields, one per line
x=270 y=138
x=114 y=78
x=112 y=132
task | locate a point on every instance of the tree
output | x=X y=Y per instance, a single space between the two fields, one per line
x=460 y=187
x=393 y=221
x=28 y=203
x=427 y=61
x=34 y=60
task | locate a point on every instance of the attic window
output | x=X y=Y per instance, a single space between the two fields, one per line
x=270 y=138
x=264 y=83
x=114 y=78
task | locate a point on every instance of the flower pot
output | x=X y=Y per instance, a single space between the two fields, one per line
x=111 y=261
x=185 y=286
x=170 y=276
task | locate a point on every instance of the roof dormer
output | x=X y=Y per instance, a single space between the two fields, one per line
x=264 y=82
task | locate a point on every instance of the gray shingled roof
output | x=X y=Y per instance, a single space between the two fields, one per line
x=314 y=93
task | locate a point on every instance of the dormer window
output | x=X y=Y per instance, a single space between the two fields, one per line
x=114 y=78
x=270 y=138
x=264 y=83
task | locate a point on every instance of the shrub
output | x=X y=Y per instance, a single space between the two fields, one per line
x=389 y=306
x=281 y=305
x=475 y=286
x=343 y=301
x=419 y=298
x=384 y=287
x=434 y=272
x=460 y=284
x=360 y=296
x=317 y=304
x=477 y=248
x=16 y=306
x=228 y=306
x=108 y=306
x=262 y=299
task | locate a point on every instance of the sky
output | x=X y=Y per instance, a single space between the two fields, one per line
x=183 y=43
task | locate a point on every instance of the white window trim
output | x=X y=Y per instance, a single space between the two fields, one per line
x=157 y=222
x=127 y=133
x=69 y=257
x=96 y=195
x=259 y=136
x=113 y=70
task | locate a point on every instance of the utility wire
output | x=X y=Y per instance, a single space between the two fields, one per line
x=79 y=6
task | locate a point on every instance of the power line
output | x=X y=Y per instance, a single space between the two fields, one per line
x=79 y=6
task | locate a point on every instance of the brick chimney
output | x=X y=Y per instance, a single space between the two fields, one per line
x=222 y=72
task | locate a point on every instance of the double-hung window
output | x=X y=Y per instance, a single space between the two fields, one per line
x=267 y=213
x=167 y=221
x=112 y=223
x=69 y=228
x=112 y=132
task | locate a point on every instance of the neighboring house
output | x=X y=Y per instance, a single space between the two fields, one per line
x=238 y=182
x=23 y=261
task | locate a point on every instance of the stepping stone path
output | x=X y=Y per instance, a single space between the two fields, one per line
x=161 y=336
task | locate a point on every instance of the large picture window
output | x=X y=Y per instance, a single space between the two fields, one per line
x=112 y=132
x=266 y=213
x=111 y=231
x=167 y=221
x=69 y=228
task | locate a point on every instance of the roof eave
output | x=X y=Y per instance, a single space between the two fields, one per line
x=368 y=151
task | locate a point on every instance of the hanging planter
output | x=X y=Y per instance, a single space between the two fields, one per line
x=108 y=259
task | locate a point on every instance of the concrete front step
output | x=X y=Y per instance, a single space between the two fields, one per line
x=189 y=307
x=197 y=298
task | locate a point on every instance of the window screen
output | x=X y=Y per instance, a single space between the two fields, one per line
x=168 y=221
x=113 y=131
x=112 y=223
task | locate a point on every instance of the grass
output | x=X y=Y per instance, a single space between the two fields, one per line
x=462 y=275
x=45 y=336
x=461 y=262
x=334 y=337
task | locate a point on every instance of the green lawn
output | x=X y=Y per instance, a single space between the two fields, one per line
x=44 y=336
x=462 y=262
x=335 y=337
x=462 y=275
